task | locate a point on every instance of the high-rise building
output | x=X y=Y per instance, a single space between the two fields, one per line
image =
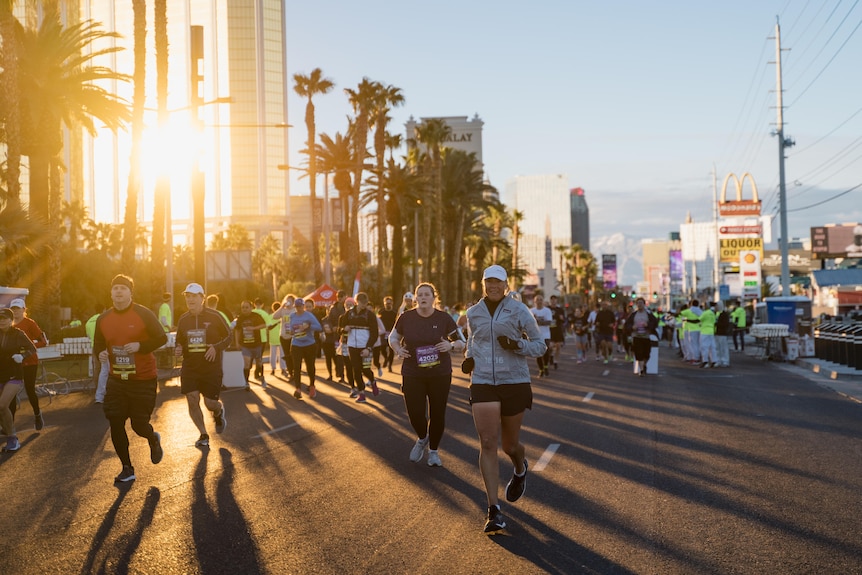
x=545 y=205
x=580 y=219
x=466 y=133
x=699 y=245
x=239 y=138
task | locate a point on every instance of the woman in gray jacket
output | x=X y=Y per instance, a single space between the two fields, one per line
x=503 y=335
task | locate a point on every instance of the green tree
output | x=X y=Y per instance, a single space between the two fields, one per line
x=336 y=158
x=234 y=238
x=362 y=100
x=307 y=87
x=268 y=261
x=432 y=133
x=386 y=98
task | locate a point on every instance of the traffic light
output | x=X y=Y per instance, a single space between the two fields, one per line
x=655 y=295
x=613 y=295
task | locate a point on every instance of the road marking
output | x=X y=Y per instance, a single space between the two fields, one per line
x=588 y=396
x=276 y=430
x=546 y=457
x=605 y=372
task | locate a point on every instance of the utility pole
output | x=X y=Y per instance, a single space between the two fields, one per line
x=717 y=253
x=782 y=188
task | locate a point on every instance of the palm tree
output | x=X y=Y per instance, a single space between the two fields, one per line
x=163 y=181
x=9 y=102
x=308 y=87
x=464 y=196
x=432 y=133
x=336 y=158
x=362 y=101
x=386 y=98
x=403 y=187
x=269 y=261
x=139 y=94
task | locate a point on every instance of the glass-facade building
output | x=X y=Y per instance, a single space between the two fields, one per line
x=238 y=140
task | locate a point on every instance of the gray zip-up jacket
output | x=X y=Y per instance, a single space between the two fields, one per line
x=495 y=365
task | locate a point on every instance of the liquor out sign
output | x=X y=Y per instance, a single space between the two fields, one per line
x=731 y=248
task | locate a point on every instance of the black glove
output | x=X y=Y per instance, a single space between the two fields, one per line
x=508 y=343
x=467 y=365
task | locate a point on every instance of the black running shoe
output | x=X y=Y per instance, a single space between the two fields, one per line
x=495 y=522
x=518 y=484
x=127 y=474
x=40 y=421
x=156 y=451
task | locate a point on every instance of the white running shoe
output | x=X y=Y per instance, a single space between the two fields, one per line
x=418 y=451
x=434 y=459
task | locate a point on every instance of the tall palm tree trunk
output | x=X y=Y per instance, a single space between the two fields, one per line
x=163 y=182
x=134 y=185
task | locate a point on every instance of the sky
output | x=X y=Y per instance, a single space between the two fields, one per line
x=642 y=104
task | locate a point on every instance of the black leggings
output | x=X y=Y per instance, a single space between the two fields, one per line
x=132 y=400
x=641 y=347
x=307 y=353
x=28 y=373
x=543 y=361
x=431 y=392
x=356 y=366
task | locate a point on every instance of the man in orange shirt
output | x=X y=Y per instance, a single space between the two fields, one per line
x=30 y=365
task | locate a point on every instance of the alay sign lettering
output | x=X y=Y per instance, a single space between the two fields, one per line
x=739 y=207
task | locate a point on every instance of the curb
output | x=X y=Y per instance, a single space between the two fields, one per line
x=830 y=370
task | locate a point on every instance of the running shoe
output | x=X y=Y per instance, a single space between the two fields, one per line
x=203 y=441
x=247 y=387
x=220 y=420
x=606 y=361
x=272 y=372
x=262 y=383
x=284 y=373
x=297 y=394
x=374 y=389
x=496 y=522
x=434 y=459
x=517 y=485
x=156 y=451
x=312 y=391
x=127 y=474
x=360 y=398
x=40 y=421
x=12 y=444
x=354 y=393
x=418 y=451
x=379 y=372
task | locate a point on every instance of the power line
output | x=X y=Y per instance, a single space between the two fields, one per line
x=836 y=196
x=835 y=129
x=841 y=47
x=804 y=50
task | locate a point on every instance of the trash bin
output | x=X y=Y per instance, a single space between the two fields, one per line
x=232 y=368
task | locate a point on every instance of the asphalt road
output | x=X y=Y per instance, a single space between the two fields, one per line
x=753 y=469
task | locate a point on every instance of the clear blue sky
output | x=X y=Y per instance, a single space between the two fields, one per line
x=635 y=101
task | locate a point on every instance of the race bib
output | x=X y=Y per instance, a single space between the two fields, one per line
x=366 y=362
x=123 y=362
x=197 y=340
x=249 y=335
x=427 y=356
x=299 y=331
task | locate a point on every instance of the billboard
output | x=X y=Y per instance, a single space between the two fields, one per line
x=837 y=241
x=749 y=270
x=731 y=248
x=609 y=271
x=739 y=207
x=676 y=271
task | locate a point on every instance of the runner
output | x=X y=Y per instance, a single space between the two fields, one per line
x=420 y=339
x=15 y=347
x=202 y=337
x=126 y=337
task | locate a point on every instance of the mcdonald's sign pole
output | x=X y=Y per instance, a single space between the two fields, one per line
x=782 y=188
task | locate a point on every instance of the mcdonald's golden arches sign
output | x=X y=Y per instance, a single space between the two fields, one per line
x=739 y=207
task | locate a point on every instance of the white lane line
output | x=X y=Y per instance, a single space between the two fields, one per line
x=588 y=396
x=276 y=430
x=546 y=457
x=605 y=372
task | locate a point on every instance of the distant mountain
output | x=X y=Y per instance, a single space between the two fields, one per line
x=629 y=256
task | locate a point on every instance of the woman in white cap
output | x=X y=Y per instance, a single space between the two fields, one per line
x=30 y=365
x=15 y=346
x=407 y=303
x=503 y=334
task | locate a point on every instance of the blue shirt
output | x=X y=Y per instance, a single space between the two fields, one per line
x=303 y=335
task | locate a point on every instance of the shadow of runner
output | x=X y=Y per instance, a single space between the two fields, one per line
x=220 y=531
x=104 y=552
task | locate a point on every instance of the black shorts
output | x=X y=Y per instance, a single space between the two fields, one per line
x=514 y=398
x=208 y=384
x=130 y=398
x=557 y=335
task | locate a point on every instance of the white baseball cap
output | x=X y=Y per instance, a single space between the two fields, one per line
x=18 y=302
x=194 y=288
x=408 y=295
x=495 y=272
